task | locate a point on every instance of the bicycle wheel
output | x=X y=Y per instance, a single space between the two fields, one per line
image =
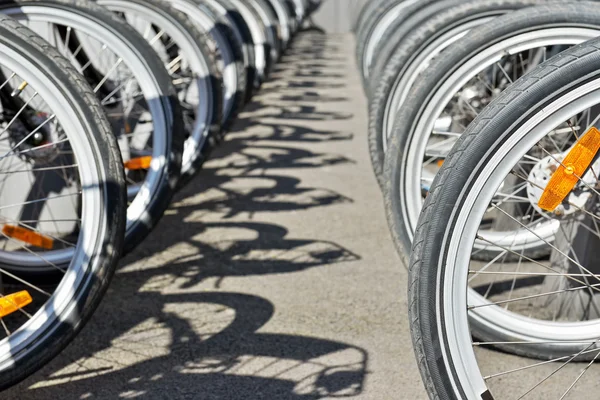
x=515 y=136
x=270 y=25
x=52 y=124
x=135 y=90
x=186 y=54
x=292 y=18
x=362 y=13
x=312 y=6
x=229 y=57
x=284 y=22
x=400 y=31
x=450 y=94
x=412 y=57
x=300 y=10
x=242 y=40
x=374 y=26
x=291 y=6
x=246 y=17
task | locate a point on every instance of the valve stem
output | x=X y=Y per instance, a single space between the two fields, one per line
x=20 y=89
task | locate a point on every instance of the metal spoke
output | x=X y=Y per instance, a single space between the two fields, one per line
x=115 y=90
x=7 y=80
x=40 y=169
x=91 y=61
x=8 y=155
x=30 y=227
x=574 y=174
x=482 y=272
x=23 y=108
x=123 y=98
x=587 y=367
x=533 y=296
x=41 y=200
x=33 y=252
x=489 y=264
x=29 y=136
x=534 y=261
x=110 y=71
x=34 y=287
x=545 y=241
x=504 y=72
x=5 y=327
x=535 y=342
x=558 y=369
x=512 y=371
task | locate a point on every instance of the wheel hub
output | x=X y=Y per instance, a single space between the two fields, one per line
x=577 y=199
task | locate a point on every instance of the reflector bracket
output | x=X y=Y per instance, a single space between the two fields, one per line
x=28 y=236
x=139 y=163
x=13 y=302
x=571 y=170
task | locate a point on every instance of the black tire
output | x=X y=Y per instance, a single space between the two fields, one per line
x=300 y=10
x=243 y=41
x=294 y=12
x=224 y=40
x=284 y=19
x=224 y=35
x=361 y=13
x=558 y=77
x=102 y=262
x=369 y=15
x=412 y=18
x=271 y=25
x=291 y=11
x=456 y=55
x=169 y=176
x=377 y=14
x=427 y=26
x=247 y=16
x=199 y=46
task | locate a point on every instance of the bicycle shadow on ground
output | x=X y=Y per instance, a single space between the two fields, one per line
x=164 y=331
x=210 y=350
x=153 y=337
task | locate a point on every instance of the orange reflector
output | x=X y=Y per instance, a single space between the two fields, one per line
x=139 y=163
x=28 y=236
x=13 y=302
x=440 y=162
x=573 y=166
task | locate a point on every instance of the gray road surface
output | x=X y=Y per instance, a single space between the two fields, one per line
x=271 y=277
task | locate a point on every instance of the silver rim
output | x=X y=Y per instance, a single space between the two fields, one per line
x=412 y=174
x=246 y=48
x=268 y=27
x=199 y=16
x=258 y=38
x=380 y=29
x=568 y=339
x=189 y=70
x=300 y=10
x=284 y=23
x=142 y=195
x=410 y=73
x=60 y=302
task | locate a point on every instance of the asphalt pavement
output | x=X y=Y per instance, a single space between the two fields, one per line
x=272 y=276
